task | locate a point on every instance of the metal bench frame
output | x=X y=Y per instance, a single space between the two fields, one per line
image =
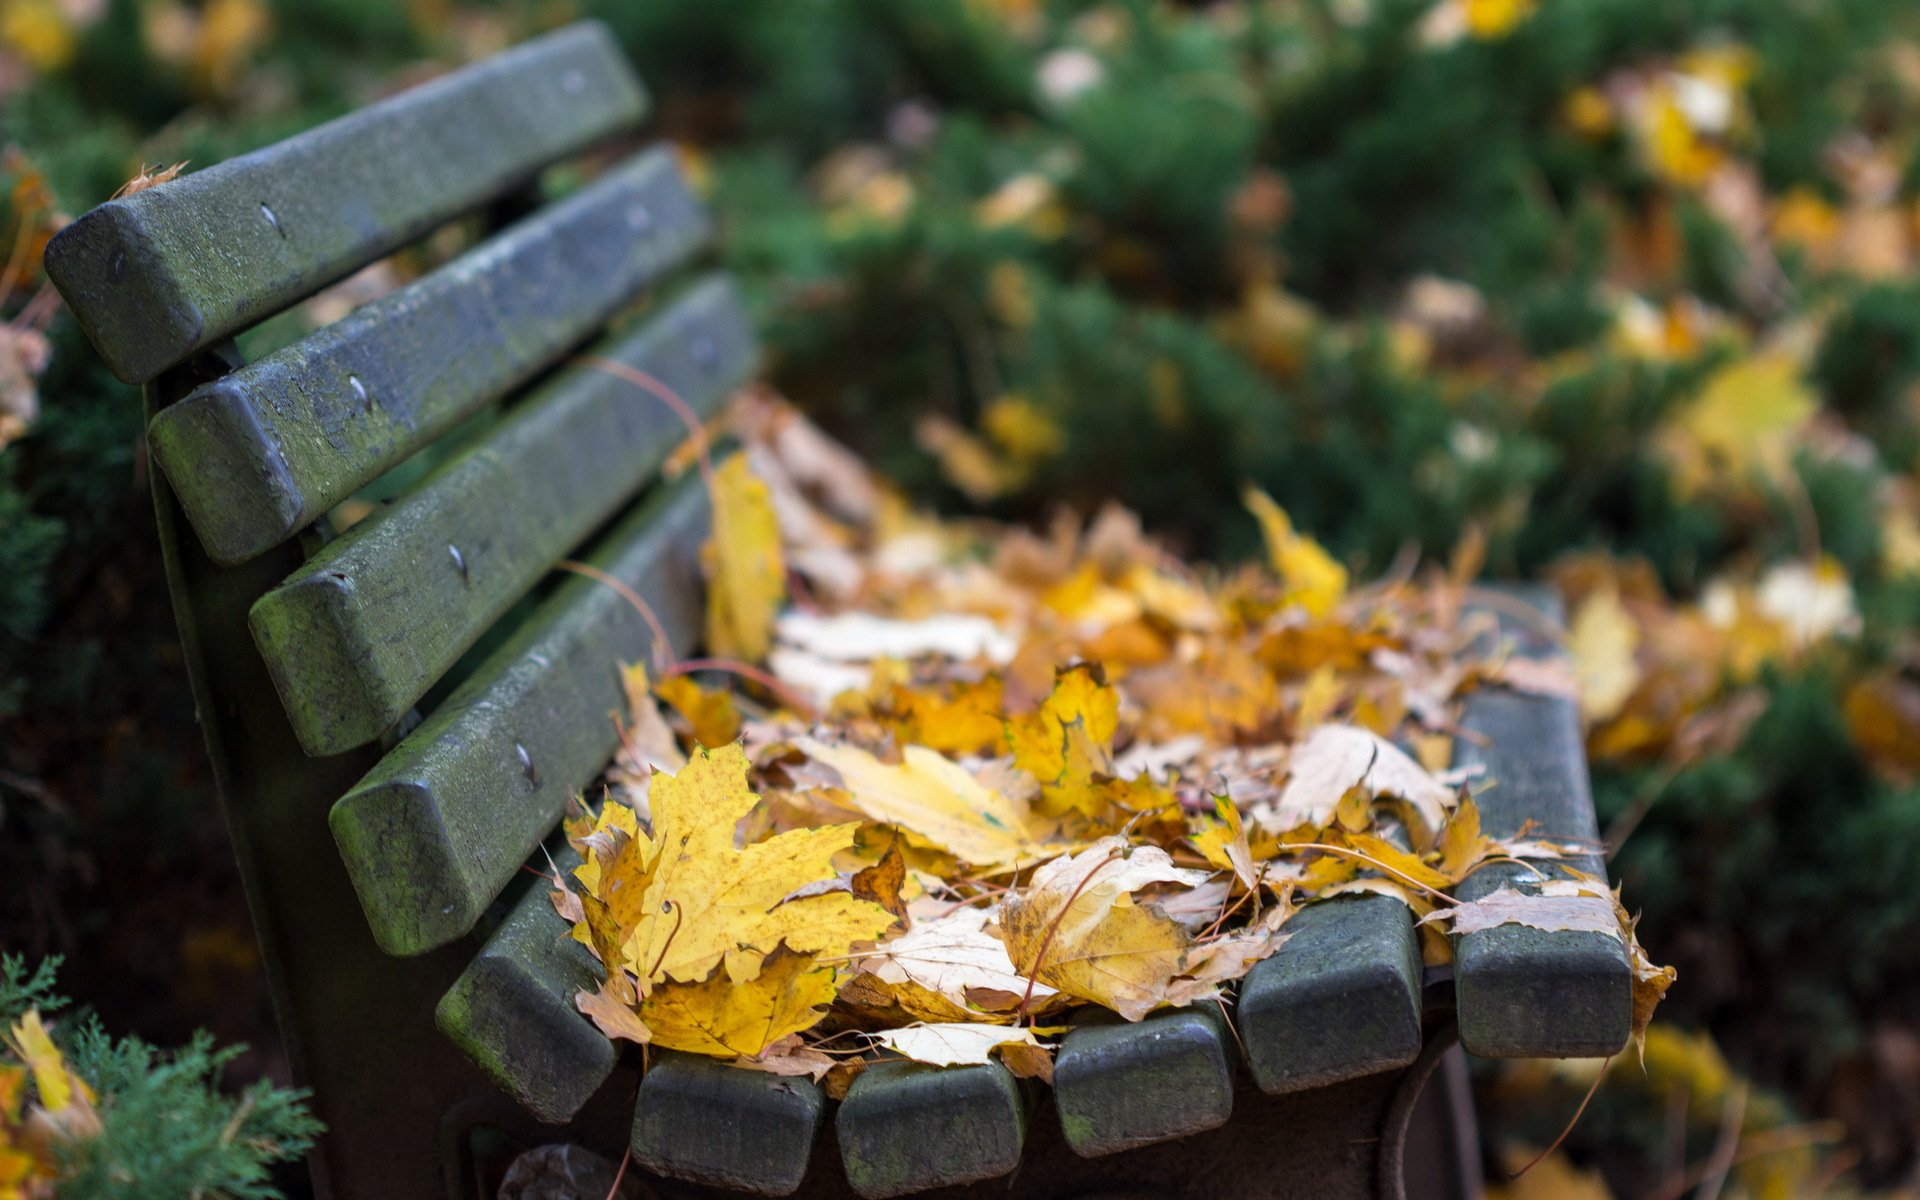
x=409 y=691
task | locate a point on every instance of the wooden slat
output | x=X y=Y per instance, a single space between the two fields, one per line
x=1523 y=991
x=905 y=1127
x=512 y=1010
x=157 y=276
x=433 y=833
x=258 y=455
x=1120 y=1085
x=704 y=1121
x=1341 y=999
x=365 y=627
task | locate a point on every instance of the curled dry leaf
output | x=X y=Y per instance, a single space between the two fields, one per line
x=1575 y=912
x=1337 y=758
x=955 y=958
x=1078 y=926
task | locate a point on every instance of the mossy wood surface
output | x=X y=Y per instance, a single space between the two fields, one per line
x=1341 y=999
x=356 y=637
x=905 y=1127
x=704 y=1121
x=1120 y=1085
x=512 y=1010
x=160 y=275
x=433 y=832
x=1524 y=992
x=261 y=454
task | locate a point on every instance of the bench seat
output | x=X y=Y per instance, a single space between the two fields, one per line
x=399 y=711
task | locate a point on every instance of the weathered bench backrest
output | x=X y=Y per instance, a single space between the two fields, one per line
x=355 y=630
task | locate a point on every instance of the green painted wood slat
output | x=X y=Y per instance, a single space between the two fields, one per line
x=905 y=1127
x=1120 y=1085
x=260 y=454
x=1340 y=1000
x=160 y=275
x=512 y=1010
x=357 y=635
x=705 y=1121
x=1524 y=992
x=433 y=832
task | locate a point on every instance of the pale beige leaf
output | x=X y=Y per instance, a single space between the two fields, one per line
x=1554 y=913
x=952 y=956
x=862 y=637
x=1336 y=758
x=957 y=1045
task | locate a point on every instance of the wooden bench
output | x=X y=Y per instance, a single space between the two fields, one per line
x=420 y=692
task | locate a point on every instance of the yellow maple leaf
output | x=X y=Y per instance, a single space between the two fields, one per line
x=1313 y=578
x=963 y=718
x=747 y=577
x=722 y=1017
x=684 y=919
x=708 y=900
x=1069 y=740
x=936 y=798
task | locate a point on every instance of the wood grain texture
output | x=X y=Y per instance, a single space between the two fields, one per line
x=704 y=1121
x=160 y=275
x=356 y=637
x=1524 y=992
x=905 y=1127
x=1339 y=1001
x=512 y=1010
x=260 y=454
x=433 y=833
x=1121 y=1085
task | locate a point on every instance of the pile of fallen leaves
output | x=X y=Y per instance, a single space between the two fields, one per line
x=959 y=779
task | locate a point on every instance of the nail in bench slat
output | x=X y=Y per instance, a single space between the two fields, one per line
x=1121 y=1085
x=1525 y=992
x=512 y=1010
x=905 y=1127
x=164 y=273
x=366 y=626
x=1341 y=999
x=433 y=832
x=700 y=1120
x=260 y=454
